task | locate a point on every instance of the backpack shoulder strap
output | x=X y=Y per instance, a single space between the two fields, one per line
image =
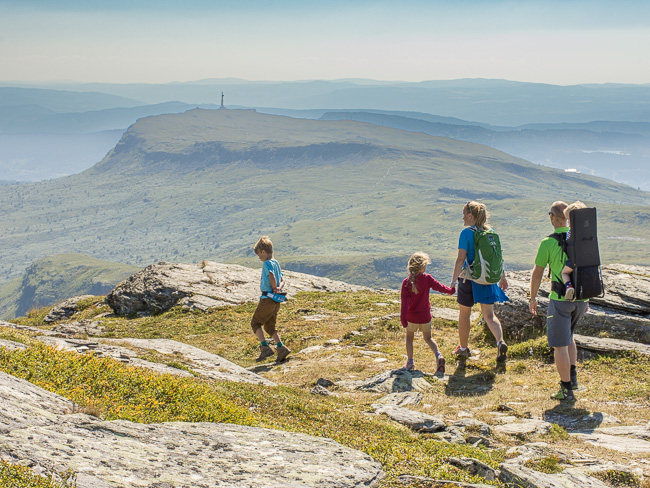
x=560 y=237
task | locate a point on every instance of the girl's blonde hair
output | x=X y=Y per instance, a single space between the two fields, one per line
x=479 y=212
x=575 y=205
x=417 y=264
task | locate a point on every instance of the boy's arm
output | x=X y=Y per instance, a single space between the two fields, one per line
x=274 y=286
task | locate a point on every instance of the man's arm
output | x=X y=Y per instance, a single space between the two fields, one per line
x=535 y=281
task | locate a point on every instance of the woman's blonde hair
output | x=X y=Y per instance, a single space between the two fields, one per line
x=479 y=212
x=417 y=264
x=575 y=205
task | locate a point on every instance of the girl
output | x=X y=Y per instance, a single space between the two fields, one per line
x=416 y=309
x=475 y=214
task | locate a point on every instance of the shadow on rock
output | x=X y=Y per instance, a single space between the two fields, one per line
x=460 y=384
x=566 y=415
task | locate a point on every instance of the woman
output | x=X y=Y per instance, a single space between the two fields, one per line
x=475 y=215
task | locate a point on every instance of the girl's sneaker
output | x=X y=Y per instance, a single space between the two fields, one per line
x=462 y=353
x=441 y=365
x=410 y=365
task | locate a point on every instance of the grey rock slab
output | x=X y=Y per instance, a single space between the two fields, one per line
x=41 y=431
x=119 y=353
x=400 y=399
x=474 y=467
x=523 y=426
x=22 y=403
x=204 y=286
x=417 y=421
x=11 y=345
x=392 y=381
x=598 y=344
x=482 y=427
x=201 y=362
x=521 y=476
x=615 y=442
x=452 y=435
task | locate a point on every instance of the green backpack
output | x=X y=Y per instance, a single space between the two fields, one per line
x=487 y=267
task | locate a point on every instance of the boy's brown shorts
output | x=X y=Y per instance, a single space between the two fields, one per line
x=265 y=315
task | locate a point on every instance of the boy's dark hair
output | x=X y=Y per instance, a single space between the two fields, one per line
x=264 y=244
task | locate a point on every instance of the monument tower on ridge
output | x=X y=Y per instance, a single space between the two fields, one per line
x=221 y=100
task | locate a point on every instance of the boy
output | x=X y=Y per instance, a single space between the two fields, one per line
x=267 y=309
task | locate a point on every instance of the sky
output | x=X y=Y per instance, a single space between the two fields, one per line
x=560 y=42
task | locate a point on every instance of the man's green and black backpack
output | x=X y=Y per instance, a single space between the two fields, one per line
x=487 y=267
x=582 y=249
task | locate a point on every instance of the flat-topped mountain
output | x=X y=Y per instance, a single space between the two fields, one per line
x=342 y=199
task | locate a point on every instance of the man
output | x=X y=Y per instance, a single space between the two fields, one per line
x=562 y=315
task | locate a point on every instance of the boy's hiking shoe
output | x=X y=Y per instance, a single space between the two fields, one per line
x=265 y=352
x=574 y=379
x=502 y=351
x=410 y=365
x=283 y=352
x=570 y=293
x=441 y=366
x=459 y=353
x=564 y=395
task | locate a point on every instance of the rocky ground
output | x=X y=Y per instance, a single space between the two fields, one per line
x=43 y=430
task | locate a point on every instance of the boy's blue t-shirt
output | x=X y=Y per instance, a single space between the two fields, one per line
x=270 y=266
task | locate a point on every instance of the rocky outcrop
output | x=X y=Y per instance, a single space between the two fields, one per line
x=39 y=428
x=624 y=311
x=65 y=309
x=203 y=286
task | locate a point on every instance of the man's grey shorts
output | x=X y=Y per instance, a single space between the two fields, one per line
x=561 y=320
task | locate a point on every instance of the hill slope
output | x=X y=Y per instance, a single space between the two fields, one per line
x=344 y=199
x=55 y=278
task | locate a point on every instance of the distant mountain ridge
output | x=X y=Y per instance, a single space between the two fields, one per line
x=343 y=199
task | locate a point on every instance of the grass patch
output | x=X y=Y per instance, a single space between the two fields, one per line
x=16 y=476
x=616 y=478
x=548 y=465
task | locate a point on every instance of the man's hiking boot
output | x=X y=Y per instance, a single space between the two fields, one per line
x=574 y=379
x=441 y=366
x=502 y=351
x=265 y=352
x=462 y=354
x=570 y=293
x=564 y=395
x=410 y=365
x=283 y=352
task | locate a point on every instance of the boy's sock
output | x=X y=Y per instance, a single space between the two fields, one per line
x=264 y=343
x=567 y=385
x=438 y=355
x=279 y=344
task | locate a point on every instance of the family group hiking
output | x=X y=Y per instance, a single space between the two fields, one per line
x=570 y=252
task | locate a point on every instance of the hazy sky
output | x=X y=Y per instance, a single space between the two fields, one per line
x=550 y=41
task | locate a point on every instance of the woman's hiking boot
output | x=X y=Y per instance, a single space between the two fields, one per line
x=502 y=351
x=265 y=352
x=565 y=394
x=283 y=352
x=462 y=354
